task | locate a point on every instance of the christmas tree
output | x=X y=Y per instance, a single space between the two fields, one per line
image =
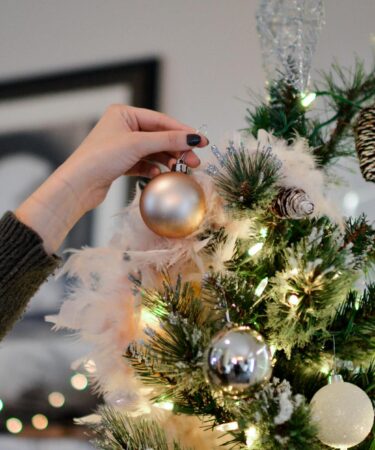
x=245 y=317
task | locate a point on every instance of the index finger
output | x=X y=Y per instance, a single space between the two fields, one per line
x=149 y=120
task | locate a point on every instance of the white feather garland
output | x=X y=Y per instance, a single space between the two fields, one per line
x=102 y=308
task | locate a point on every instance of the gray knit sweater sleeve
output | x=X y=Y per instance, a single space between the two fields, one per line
x=24 y=266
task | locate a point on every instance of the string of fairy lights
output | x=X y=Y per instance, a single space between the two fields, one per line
x=78 y=381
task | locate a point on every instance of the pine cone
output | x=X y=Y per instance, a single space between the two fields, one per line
x=292 y=203
x=365 y=142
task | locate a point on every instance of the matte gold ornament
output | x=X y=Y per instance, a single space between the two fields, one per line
x=173 y=204
x=237 y=361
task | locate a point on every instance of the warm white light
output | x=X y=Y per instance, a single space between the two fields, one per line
x=261 y=287
x=90 y=366
x=255 y=249
x=230 y=426
x=325 y=369
x=350 y=201
x=1 y=405
x=168 y=406
x=56 y=399
x=272 y=349
x=293 y=300
x=294 y=271
x=39 y=421
x=307 y=99
x=251 y=436
x=13 y=425
x=263 y=232
x=79 y=381
x=148 y=318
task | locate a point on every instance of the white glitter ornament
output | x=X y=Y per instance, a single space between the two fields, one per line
x=343 y=413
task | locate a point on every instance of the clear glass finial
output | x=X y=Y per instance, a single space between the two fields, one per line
x=289 y=31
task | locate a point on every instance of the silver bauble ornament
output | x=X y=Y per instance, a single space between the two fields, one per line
x=343 y=414
x=237 y=360
x=173 y=205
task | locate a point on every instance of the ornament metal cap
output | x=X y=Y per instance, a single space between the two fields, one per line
x=180 y=165
x=335 y=378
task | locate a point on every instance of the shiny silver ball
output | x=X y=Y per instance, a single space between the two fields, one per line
x=237 y=360
x=173 y=205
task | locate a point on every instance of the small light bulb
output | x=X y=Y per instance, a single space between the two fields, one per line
x=294 y=271
x=148 y=318
x=39 y=422
x=263 y=232
x=307 y=99
x=325 y=369
x=168 y=406
x=251 y=436
x=79 y=381
x=1 y=405
x=261 y=287
x=230 y=426
x=14 y=425
x=293 y=300
x=56 y=399
x=255 y=249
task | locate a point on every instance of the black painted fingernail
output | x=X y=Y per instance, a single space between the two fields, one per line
x=193 y=139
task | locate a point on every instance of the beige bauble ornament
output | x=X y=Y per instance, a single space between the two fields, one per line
x=343 y=414
x=173 y=204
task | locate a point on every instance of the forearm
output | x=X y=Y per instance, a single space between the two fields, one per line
x=24 y=266
x=52 y=211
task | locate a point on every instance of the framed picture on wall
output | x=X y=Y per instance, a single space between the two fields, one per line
x=42 y=120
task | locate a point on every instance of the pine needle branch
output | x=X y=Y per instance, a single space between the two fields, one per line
x=248 y=181
x=118 y=431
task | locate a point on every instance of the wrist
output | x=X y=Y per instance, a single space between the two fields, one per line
x=51 y=211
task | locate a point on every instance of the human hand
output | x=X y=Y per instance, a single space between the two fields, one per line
x=126 y=140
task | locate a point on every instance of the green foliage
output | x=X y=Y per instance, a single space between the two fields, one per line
x=360 y=236
x=318 y=273
x=283 y=116
x=354 y=326
x=172 y=355
x=248 y=181
x=279 y=420
x=120 y=432
x=345 y=92
x=237 y=296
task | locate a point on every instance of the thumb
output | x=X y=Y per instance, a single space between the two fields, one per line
x=147 y=143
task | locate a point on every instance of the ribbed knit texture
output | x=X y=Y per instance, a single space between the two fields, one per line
x=24 y=266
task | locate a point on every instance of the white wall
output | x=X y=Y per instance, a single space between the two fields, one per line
x=209 y=48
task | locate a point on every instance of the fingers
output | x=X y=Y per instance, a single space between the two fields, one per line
x=163 y=158
x=146 y=144
x=144 y=169
x=149 y=120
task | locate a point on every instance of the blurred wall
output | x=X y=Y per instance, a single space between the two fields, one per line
x=209 y=48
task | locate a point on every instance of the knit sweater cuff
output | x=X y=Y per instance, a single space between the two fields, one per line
x=24 y=266
x=21 y=249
